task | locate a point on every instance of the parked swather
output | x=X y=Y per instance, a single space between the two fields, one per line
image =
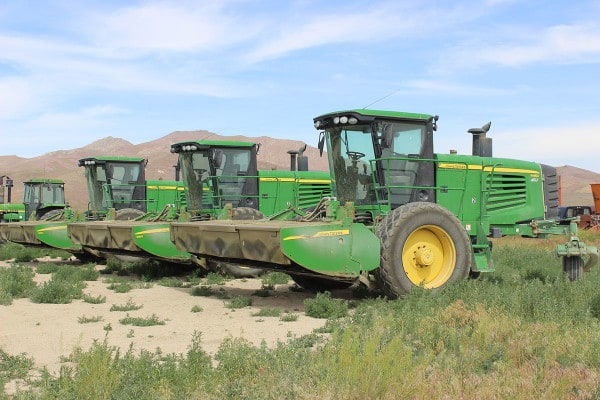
x=401 y=216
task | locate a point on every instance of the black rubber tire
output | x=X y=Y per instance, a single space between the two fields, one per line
x=87 y=258
x=234 y=270
x=421 y=241
x=246 y=213
x=51 y=214
x=573 y=267
x=128 y=214
x=316 y=284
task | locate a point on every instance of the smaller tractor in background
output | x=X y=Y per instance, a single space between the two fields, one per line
x=42 y=200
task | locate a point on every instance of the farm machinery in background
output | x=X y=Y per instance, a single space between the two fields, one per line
x=215 y=174
x=586 y=217
x=400 y=216
x=117 y=189
x=42 y=199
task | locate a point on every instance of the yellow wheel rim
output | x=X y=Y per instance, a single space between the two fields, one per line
x=429 y=256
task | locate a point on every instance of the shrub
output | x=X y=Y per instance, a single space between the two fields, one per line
x=267 y=312
x=84 y=320
x=57 y=291
x=323 y=306
x=16 y=282
x=239 y=302
x=271 y=279
x=139 y=321
x=94 y=300
x=129 y=306
x=202 y=291
x=212 y=278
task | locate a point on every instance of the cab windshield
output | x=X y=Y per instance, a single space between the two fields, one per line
x=215 y=176
x=44 y=193
x=391 y=147
x=123 y=179
x=350 y=152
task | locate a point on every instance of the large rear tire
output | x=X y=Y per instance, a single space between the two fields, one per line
x=573 y=267
x=52 y=214
x=422 y=245
x=235 y=270
x=127 y=214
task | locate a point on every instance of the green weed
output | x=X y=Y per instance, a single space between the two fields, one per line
x=323 y=306
x=197 y=309
x=94 y=300
x=85 y=320
x=239 y=302
x=205 y=291
x=15 y=282
x=129 y=306
x=212 y=278
x=139 y=321
x=267 y=312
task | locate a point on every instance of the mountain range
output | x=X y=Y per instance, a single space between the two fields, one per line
x=575 y=182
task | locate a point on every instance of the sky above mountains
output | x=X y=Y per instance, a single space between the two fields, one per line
x=72 y=72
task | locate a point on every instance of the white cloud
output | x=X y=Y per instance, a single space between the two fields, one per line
x=169 y=27
x=438 y=86
x=375 y=23
x=513 y=46
x=576 y=145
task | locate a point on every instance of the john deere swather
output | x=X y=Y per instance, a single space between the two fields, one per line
x=215 y=173
x=401 y=215
x=117 y=189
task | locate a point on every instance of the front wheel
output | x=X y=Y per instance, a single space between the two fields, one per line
x=422 y=245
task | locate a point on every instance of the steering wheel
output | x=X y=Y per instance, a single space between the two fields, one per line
x=355 y=155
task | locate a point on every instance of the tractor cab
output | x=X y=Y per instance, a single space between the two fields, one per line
x=218 y=172
x=42 y=196
x=379 y=160
x=117 y=183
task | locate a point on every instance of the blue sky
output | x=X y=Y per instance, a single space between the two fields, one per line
x=72 y=72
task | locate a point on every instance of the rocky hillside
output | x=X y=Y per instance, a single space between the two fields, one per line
x=62 y=164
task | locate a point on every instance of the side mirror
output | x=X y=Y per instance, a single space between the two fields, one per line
x=321 y=143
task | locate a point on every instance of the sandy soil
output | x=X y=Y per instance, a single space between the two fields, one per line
x=49 y=332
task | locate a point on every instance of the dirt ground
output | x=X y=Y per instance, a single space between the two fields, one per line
x=50 y=332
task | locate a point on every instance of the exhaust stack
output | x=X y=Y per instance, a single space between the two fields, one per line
x=482 y=145
x=298 y=161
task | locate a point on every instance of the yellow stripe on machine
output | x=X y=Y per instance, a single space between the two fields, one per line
x=51 y=228
x=488 y=169
x=339 y=232
x=166 y=187
x=151 y=231
x=327 y=181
